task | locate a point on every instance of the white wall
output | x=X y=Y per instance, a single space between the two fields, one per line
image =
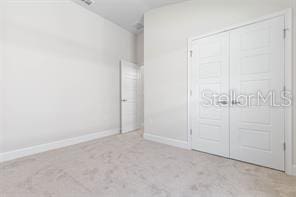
x=1 y=72
x=166 y=32
x=61 y=72
x=294 y=80
x=141 y=98
x=140 y=62
x=140 y=48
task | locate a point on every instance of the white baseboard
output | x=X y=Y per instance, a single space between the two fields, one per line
x=7 y=156
x=167 y=141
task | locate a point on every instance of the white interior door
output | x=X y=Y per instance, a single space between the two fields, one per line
x=130 y=75
x=210 y=75
x=257 y=64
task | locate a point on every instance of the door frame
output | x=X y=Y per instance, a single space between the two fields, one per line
x=288 y=132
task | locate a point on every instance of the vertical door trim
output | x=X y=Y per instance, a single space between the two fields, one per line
x=288 y=81
x=289 y=87
x=189 y=92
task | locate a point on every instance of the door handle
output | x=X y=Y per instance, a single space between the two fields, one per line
x=222 y=102
x=124 y=100
x=235 y=102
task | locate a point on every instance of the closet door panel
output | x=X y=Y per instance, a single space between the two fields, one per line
x=210 y=74
x=257 y=68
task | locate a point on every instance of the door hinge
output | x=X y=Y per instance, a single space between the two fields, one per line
x=190 y=131
x=285 y=32
x=191 y=53
x=284 y=146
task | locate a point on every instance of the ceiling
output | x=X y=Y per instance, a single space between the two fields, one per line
x=126 y=13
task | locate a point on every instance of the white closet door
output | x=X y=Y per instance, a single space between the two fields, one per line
x=257 y=64
x=210 y=73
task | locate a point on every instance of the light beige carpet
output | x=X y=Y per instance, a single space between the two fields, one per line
x=127 y=165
